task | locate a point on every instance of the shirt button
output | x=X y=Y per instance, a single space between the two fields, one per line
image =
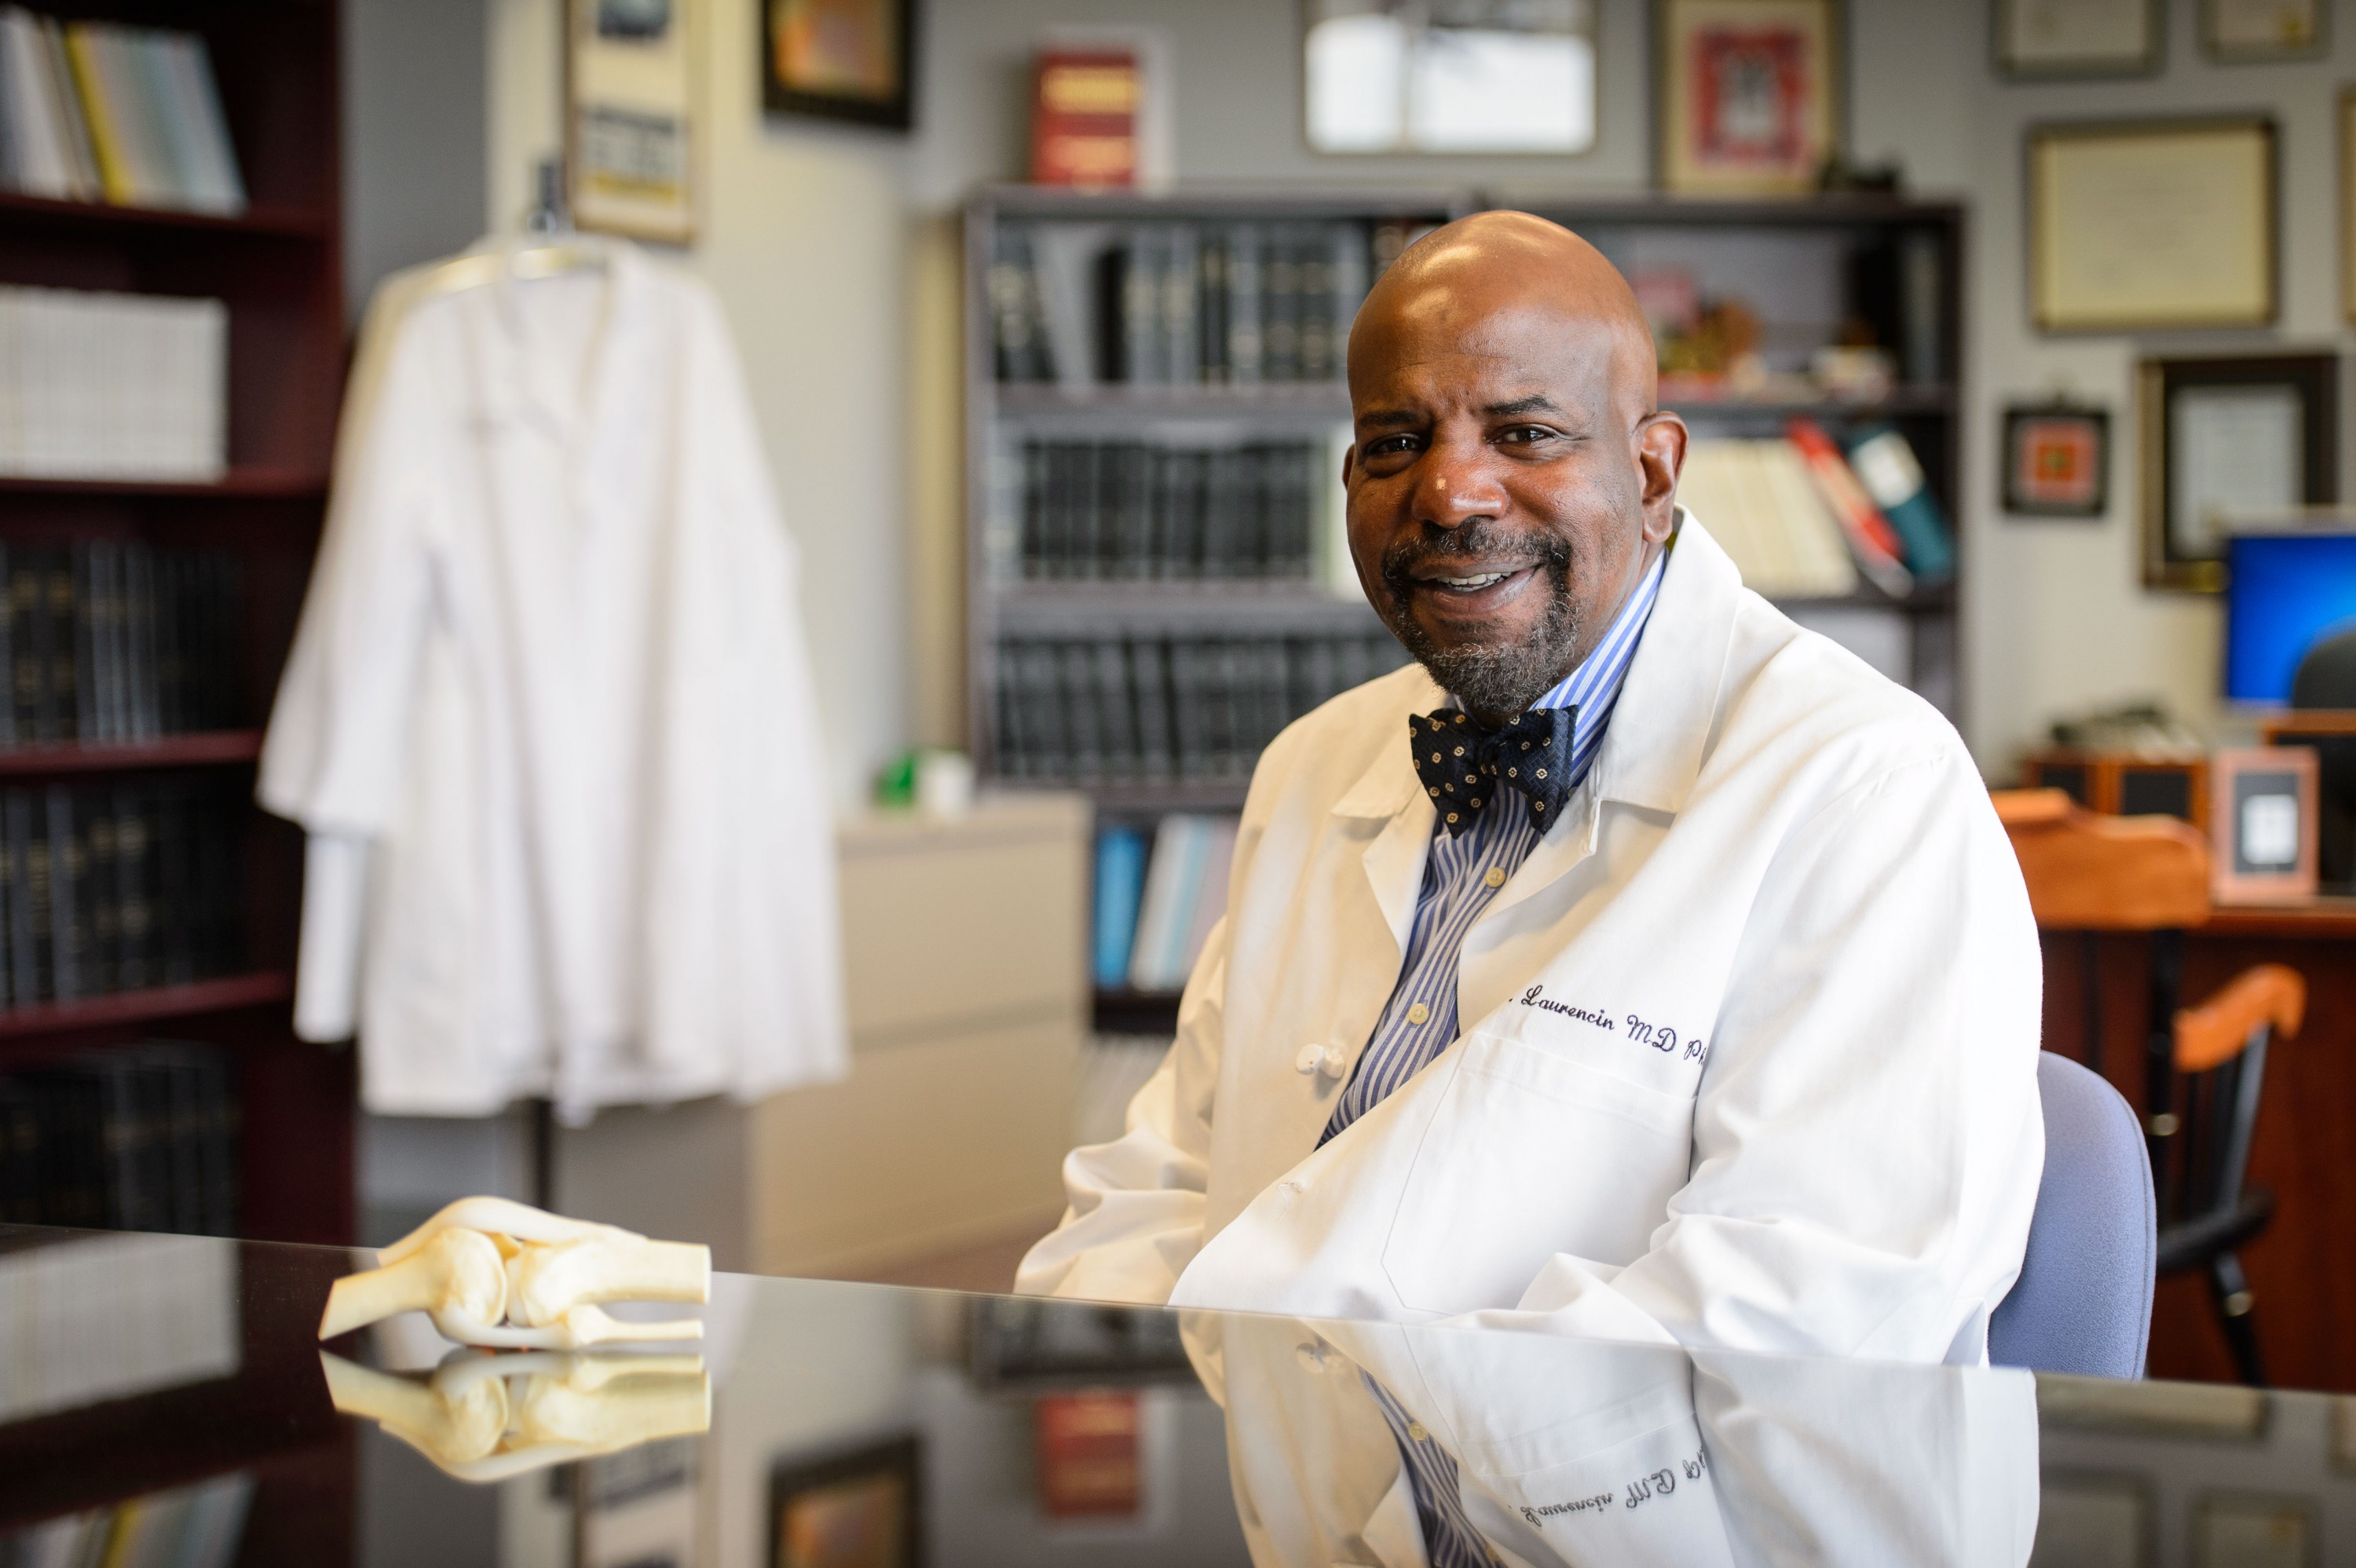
x=1496 y=877
x=1309 y=1057
x=1311 y=1359
x=1416 y=1432
x=1419 y=1013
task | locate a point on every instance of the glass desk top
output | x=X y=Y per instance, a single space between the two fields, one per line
x=164 y=1402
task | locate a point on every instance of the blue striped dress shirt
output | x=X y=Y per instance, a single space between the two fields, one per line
x=1460 y=877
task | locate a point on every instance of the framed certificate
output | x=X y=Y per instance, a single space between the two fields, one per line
x=2228 y=440
x=2152 y=226
x=629 y=117
x=1750 y=94
x=2061 y=39
x=2236 y=32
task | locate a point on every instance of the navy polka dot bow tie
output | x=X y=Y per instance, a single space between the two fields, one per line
x=1463 y=765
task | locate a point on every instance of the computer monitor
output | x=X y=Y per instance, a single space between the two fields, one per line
x=2288 y=591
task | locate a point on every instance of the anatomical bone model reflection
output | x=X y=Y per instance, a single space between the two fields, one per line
x=503 y=1274
x=1559 y=1450
x=486 y=1417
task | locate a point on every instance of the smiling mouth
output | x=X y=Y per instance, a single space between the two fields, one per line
x=1473 y=581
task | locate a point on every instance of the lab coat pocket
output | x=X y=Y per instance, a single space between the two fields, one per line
x=1531 y=1153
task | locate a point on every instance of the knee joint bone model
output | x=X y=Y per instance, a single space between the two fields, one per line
x=502 y=1275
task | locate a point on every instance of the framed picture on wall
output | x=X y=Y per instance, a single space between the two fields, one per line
x=2153 y=225
x=1750 y=95
x=855 y=1509
x=2057 y=461
x=2054 y=40
x=2237 y=32
x=841 y=59
x=2347 y=204
x=2227 y=443
x=629 y=119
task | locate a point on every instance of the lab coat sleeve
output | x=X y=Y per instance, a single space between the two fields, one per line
x=1867 y=1140
x=331 y=760
x=1137 y=1203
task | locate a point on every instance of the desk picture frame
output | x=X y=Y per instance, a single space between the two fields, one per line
x=2154 y=225
x=2180 y=400
x=1704 y=49
x=2263 y=803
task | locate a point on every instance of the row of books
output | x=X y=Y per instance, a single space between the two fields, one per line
x=97 y=111
x=111 y=641
x=113 y=385
x=200 y=1526
x=120 y=886
x=1804 y=514
x=1177 y=304
x=1147 y=709
x=1154 y=910
x=137 y=1137
x=1129 y=510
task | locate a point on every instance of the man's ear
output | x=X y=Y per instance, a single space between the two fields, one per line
x=1349 y=461
x=1660 y=458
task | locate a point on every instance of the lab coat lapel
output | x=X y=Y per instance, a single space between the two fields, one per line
x=1389 y=791
x=1652 y=751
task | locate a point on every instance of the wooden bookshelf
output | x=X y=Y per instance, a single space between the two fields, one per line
x=1848 y=241
x=278 y=268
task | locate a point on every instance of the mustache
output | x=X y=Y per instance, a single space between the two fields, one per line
x=1467 y=543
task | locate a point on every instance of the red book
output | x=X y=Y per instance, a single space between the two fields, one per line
x=1084 y=117
x=1871 y=538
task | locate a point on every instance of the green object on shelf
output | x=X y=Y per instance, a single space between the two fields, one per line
x=896 y=786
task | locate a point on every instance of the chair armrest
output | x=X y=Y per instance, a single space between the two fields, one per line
x=2216 y=1031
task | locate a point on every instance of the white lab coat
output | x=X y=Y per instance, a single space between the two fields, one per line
x=549 y=716
x=1581 y=1451
x=1748 y=1047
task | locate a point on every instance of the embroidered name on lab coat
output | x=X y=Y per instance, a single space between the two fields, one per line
x=1660 y=1037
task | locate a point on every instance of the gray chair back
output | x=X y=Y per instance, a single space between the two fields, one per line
x=2083 y=1303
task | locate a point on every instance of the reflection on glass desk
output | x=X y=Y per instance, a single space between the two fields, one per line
x=163 y=1401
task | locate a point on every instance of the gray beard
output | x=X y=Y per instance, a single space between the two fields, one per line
x=1489 y=677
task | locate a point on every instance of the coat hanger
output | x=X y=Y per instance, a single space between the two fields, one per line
x=551 y=246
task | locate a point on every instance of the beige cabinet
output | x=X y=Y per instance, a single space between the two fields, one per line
x=965 y=953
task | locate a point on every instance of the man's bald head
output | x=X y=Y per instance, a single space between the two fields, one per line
x=1494 y=262
x=1511 y=478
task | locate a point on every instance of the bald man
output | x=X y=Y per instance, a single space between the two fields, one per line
x=1636 y=962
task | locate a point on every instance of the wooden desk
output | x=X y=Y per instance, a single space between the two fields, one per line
x=2303 y=1270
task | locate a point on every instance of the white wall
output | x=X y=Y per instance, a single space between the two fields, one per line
x=834 y=252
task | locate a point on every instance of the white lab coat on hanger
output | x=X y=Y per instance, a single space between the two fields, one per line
x=1749 y=1041
x=549 y=716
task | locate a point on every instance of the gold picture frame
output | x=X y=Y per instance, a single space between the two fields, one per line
x=2153 y=225
x=1752 y=95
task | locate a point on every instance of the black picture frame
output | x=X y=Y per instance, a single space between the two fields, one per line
x=897 y=1459
x=2315 y=377
x=2015 y=486
x=896 y=112
x=2148 y=63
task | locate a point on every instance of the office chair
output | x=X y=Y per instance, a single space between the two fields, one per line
x=2083 y=1303
x=2325 y=684
x=2202 y=1067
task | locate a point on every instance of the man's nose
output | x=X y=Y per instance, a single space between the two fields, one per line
x=1458 y=482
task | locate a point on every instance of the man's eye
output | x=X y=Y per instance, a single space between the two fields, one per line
x=1524 y=435
x=1384 y=445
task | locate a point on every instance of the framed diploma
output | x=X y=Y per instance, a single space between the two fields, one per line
x=2223 y=442
x=2061 y=39
x=629 y=119
x=2152 y=226
x=2237 y=32
x=1750 y=96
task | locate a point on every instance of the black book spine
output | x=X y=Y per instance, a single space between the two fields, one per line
x=1076 y=692
x=219 y=891
x=145 y=720
x=69 y=948
x=102 y=967
x=1035 y=505
x=175 y=885
x=24 y=949
x=134 y=880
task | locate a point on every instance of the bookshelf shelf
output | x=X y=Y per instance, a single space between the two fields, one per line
x=228 y=994
x=207 y=749
x=254 y=484
x=277 y=269
x=265 y=220
x=1323 y=399
x=1123 y=1009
